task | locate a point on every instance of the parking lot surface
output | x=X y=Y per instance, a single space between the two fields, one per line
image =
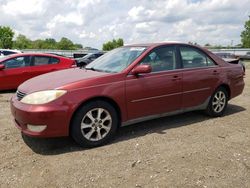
x=187 y=150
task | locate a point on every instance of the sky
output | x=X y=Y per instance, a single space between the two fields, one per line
x=93 y=22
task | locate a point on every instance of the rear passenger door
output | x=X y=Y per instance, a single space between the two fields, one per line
x=44 y=64
x=200 y=76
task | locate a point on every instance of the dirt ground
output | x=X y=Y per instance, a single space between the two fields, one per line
x=188 y=150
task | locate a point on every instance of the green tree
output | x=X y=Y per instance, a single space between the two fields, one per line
x=49 y=43
x=119 y=42
x=110 y=45
x=245 y=35
x=78 y=46
x=37 y=44
x=6 y=37
x=22 y=42
x=65 y=44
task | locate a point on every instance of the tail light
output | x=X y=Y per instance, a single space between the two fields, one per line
x=243 y=67
x=74 y=64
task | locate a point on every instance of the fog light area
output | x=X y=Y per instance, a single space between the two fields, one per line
x=37 y=128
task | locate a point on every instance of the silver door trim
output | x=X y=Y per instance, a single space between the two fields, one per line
x=203 y=106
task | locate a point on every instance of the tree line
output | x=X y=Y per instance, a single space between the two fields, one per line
x=22 y=42
x=245 y=34
x=112 y=44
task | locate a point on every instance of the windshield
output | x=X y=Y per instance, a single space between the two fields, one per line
x=116 y=60
x=86 y=56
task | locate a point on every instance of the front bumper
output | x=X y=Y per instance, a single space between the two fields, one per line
x=56 y=116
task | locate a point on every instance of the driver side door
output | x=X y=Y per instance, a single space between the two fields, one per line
x=157 y=92
x=15 y=72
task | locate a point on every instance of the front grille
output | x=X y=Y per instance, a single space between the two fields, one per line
x=20 y=95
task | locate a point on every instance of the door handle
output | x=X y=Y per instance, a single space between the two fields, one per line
x=215 y=72
x=176 y=77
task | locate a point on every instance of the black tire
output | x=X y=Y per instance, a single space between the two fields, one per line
x=211 y=108
x=80 y=134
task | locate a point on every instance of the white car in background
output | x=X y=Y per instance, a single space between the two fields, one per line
x=231 y=58
x=5 y=52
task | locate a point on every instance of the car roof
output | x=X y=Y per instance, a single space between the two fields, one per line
x=31 y=54
x=155 y=44
x=38 y=54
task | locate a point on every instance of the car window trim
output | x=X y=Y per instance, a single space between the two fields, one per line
x=178 y=65
x=194 y=68
x=197 y=49
x=161 y=73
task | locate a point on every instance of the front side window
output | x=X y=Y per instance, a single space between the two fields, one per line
x=116 y=60
x=193 y=58
x=17 y=62
x=161 y=59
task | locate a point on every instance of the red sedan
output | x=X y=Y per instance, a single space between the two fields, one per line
x=127 y=85
x=16 y=69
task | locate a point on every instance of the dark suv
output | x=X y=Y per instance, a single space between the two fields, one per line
x=83 y=61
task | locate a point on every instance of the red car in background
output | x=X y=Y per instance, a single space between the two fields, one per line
x=15 y=69
x=127 y=85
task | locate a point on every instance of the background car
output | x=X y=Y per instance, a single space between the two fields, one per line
x=245 y=57
x=5 y=52
x=226 y=55
x=126 y=85
x=231 y=58
x=17 y=68
x=83 y=61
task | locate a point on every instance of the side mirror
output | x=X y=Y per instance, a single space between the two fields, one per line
x=141 y=69
x=2 y=66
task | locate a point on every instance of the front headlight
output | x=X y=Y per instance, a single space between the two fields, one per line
x=42 y=97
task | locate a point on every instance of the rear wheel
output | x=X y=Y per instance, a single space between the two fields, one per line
x=94 y=124
x=218 y=103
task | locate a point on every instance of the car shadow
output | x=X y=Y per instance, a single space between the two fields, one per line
x=56 y=146
x=3 y=98
x=8 y=91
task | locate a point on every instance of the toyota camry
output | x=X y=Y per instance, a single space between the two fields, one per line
x=127 y=85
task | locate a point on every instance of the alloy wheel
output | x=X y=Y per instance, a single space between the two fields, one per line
x=96 y=124
x=219 y=101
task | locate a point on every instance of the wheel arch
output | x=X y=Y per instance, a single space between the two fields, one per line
x=99 y=98
x=225 y=86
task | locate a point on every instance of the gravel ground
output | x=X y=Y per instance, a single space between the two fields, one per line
x=188 y=150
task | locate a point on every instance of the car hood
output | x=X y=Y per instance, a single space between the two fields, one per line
x=58 y=79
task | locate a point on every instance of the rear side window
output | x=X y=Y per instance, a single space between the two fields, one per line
x=53 y=60
x=23 y=61
x=43 y=60
x=192 y=58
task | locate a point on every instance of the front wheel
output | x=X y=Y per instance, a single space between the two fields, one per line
x=218 y=103
x=94 y=124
